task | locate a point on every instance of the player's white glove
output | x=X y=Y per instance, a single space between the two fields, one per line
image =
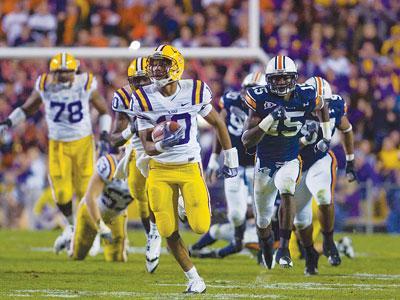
x=212 y=168
x=122 y=169
x=170 y=139
x=104 y=231
x=231 y=163
x=310 y=133
x=4 y=126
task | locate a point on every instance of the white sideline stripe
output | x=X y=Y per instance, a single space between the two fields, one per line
x=121 y=294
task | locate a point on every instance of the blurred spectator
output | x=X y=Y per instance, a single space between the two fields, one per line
x=13 y=23
x=43 y=24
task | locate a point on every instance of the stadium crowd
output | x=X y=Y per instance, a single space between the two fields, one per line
x=355 y=45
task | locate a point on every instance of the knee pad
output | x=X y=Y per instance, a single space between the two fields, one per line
x=236 y=217
x=323 y=197
x=165 y=225
x=302 y=224
x=286 y=186
x=263 y=222
x=200 y=226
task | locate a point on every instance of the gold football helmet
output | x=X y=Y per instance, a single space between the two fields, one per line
x=64 y=62
x=165 y=65
x=137 y=73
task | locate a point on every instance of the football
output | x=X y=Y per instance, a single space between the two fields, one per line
x=158 y=132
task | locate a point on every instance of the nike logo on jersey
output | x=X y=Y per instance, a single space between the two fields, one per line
x=184 y=104
x=268 y=105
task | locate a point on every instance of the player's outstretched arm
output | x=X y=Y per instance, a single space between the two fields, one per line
x=95 y=187
x=348 y=141
x=120 y=133
x=213 y=164
x=20 y=114
x=105 y=120
x=322 y=111
x=231 y=161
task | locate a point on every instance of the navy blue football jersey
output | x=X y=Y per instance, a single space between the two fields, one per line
x=337 y=109
x=236 y=115
x=281 y=142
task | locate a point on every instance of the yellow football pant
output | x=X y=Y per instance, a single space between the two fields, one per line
x=71 y=165
x=164 y=183
x=137 y=187
x=85 y=233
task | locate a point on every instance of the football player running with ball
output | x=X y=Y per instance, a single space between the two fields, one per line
x=103 y=210
x=67 y=96
x=319 y=178
x=126 y=129
x=277 y=113
x=175 y=164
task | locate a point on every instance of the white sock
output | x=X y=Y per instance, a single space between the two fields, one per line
x=192 y=273
x=70 y=220
x=153 y=229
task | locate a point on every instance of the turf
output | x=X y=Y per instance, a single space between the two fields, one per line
x=26 y=271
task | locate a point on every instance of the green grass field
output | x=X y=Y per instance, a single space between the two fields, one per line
x=28 y=269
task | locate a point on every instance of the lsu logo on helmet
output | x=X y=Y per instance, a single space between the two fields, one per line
x=166 y=65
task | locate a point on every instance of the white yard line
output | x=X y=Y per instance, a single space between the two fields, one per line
x=124 y=294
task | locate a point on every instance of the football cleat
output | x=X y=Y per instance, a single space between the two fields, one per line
x=283 y=258
x=332 y=253
x=267 y=252
x=153 y=250
x=345 y=246
x=63 y=241
x=311 y=257
x=196 y=286
x=96 y=246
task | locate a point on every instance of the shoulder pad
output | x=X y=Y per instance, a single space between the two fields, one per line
x=201 y=93
x=41 y=82
x=142 y=99
x=337 y=102
x=121 y=100
x=105 y=167
x=255 y=94
x=229 y=97
x=90 y=82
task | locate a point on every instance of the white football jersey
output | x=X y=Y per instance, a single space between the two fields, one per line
x=67 y=109
x=115 y=197
x=120 y=103
x=192 y=97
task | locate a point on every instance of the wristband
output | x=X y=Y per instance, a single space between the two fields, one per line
x=127 y=133
x=158 y=146
x=17 y=116
x=348 y=129
x=266 y=123
x=349 y=157
x=304 y=141
x=326 y=130
x=105 y=123
x=231 y=159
